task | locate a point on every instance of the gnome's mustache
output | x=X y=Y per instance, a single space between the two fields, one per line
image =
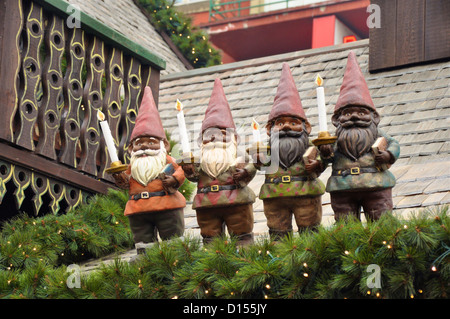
x=147 y=152
x=356 y=123
x=281 y=134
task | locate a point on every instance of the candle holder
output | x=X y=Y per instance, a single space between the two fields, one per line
x=187 y=158
x=116 y=167
x=258 y=148
x=324 y=138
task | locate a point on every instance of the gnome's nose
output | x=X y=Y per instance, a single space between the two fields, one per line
x=354 y=116
x=286 y=127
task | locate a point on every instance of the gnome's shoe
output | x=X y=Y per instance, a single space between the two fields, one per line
x=140 y=251
x=279 y=235
x=245 y=239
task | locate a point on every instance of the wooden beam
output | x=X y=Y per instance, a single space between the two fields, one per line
x=57 y=171
x=382 y=44
x=437 y=29
x=410 y=32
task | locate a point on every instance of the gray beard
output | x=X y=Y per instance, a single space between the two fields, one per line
x=356 y=141
x=288 y=146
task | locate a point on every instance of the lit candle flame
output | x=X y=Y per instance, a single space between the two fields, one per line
x=100 y=116
x=319 y=80
x=255 y=125
x=255 y=131
x=179 y=105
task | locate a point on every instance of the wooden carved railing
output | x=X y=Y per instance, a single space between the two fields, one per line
x=55 y=76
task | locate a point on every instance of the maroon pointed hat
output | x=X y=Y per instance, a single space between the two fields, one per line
x=148 y=122
x=287 y=101
x=218 y=112
x=354 y=90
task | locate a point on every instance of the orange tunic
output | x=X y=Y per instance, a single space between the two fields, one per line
x=156 y=203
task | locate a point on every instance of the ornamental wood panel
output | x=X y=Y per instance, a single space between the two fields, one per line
x=52 y=82
x=11 y=24
x=55 y=79
x=92 y=103
x=30 y=89
x=73 y=96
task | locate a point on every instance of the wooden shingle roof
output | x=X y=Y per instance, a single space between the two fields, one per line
x=125 y=17
x=413 y=102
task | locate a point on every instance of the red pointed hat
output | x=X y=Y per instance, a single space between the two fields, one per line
x=148 y=122
x=354 y=90
x=218 y=112
x=287 y=101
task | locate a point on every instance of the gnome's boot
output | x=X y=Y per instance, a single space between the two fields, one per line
x=313 y=228
x=140 y=250
x=245 y=239
x=278 y=235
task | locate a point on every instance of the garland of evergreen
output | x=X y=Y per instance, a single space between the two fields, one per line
x=193 y=43
x=413 y=256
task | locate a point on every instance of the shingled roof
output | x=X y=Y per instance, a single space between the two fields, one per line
x=124 y=16
x=414 y=104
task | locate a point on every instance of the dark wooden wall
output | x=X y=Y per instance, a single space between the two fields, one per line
x=412 y=31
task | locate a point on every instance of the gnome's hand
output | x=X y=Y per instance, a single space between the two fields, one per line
x=384 y=157
x=259 y=159
x=326 y=150
x=169 y=182
x=122 y=180
x=312 y=167
x=188 y=169
x=240 y=174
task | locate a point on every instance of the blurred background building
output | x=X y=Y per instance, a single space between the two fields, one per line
x=247 y=29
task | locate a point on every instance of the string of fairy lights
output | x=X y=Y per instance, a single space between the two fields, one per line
x=192 y=42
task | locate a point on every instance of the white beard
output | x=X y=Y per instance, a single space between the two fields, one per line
x=218 y=157
x=144 y=169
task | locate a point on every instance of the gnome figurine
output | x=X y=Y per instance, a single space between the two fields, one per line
x=293 y=188
x=362 y=153
x=155 y=205
x=223 y=197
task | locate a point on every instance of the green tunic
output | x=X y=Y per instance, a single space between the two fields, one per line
x=310 y=187
x=239 y=196
x=363 y=181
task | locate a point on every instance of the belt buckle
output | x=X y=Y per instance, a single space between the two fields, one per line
x=354 y=171
x=145 y=195
x=214 y=188
x=286 y=179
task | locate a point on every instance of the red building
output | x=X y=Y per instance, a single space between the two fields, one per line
x=255 y=28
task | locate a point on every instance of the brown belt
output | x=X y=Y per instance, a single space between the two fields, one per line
x=145 y=195
x=216 y=188
x=354 y=171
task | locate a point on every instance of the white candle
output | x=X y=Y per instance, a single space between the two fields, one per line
x=182 y=128
x=256 y=133
x=108 y=137
x=321 y=105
